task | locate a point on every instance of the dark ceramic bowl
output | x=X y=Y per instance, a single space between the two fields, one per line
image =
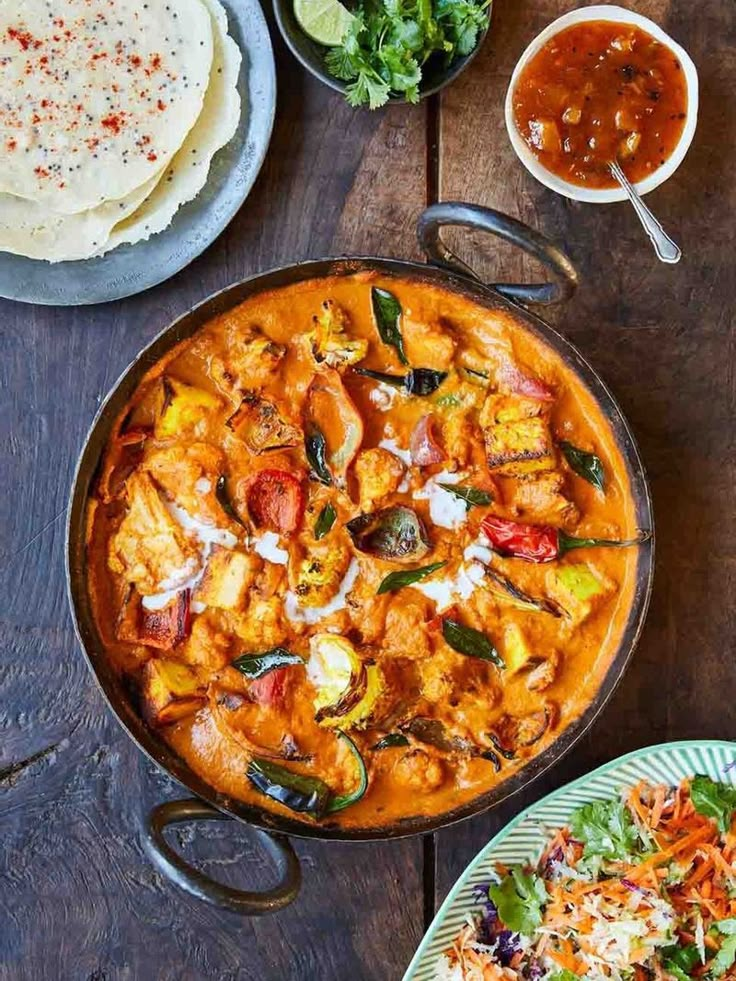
x=312 y=55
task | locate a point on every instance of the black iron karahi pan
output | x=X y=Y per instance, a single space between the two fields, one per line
x=207 y=804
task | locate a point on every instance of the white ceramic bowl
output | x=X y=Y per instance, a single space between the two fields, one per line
x=621 y=16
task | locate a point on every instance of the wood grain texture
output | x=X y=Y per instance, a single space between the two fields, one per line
x=79 y=899
x=663 y=338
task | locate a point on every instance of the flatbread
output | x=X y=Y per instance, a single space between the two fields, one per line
x=97 y=95
x=216 y=126
x=31 y=230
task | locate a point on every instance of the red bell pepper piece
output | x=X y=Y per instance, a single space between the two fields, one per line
x=276 y=500
x=542 y=543
x=269 y=690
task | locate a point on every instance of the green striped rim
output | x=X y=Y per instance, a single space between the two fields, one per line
x=524 y=837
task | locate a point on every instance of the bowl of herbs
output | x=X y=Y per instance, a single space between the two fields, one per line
x=375 y=51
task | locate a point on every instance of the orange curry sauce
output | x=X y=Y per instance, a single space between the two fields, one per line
x=271 y=576
x=597 y=92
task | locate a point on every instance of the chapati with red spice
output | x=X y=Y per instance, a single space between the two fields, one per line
x=98 y=95
x=187 y=174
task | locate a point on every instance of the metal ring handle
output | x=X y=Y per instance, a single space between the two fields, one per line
x=432 y=220
x=173 y=866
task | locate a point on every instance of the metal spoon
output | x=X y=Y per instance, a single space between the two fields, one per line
x=666 y=249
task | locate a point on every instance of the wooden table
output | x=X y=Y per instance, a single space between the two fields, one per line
x=79 y=898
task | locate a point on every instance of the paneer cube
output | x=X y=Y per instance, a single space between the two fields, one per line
x=520 y=448
x=185 y=409
x=207 y=646
x=188 y=473
x=428 y=344
x=150 y=547
x=508 y=408
x=379 y=474
x=578 y=589
x=542 y=500
x=166 y=627
x=171 y=691
x=262 y=625
x=227 y=579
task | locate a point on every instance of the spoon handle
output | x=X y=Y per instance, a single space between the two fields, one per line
x=666 y=249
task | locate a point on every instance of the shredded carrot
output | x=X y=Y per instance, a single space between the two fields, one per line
x=688 y=875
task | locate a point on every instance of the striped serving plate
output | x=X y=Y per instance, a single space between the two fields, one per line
x=522 y=840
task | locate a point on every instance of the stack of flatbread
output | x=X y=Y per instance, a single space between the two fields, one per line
x=110 y=114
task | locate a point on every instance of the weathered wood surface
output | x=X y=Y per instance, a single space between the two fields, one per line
x=663 y=338
x=79 y=899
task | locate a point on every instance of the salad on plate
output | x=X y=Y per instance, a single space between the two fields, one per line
x=641 y=887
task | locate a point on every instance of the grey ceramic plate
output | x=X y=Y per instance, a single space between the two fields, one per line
x=131 y=269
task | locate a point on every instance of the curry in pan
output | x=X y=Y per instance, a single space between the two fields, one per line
x=364 y=546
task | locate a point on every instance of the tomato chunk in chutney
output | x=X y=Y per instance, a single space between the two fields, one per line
x=597 y=92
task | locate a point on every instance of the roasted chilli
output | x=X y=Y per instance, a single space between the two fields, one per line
x=331 y=547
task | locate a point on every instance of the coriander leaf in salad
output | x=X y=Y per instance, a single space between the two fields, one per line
x=680 y=961
x=389 y=42
x=519 y=900
x=725 y=958
x=606 y=829
x=714 y=799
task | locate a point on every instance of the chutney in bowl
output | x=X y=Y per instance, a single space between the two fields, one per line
x=599 y=85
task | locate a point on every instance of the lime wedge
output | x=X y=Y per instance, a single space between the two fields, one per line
x=325 y=21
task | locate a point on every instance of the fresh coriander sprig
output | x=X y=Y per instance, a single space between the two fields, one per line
x=389 y=41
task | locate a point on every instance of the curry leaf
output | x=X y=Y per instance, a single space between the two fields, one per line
x=424 y=381
x=223 y=499
x=392 y=739
x=714 y=799
x=325 y=521
x=586 y=465
x=418 y=381
x=606 y=829
x=519 y=899
x=256 y=665
x=315 y=447
x=387 y=314
x=471 y=642
x=397 y=580
x=473 y=496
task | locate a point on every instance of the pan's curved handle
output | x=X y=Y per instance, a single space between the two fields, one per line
x=173 y=866
x=432 y=220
